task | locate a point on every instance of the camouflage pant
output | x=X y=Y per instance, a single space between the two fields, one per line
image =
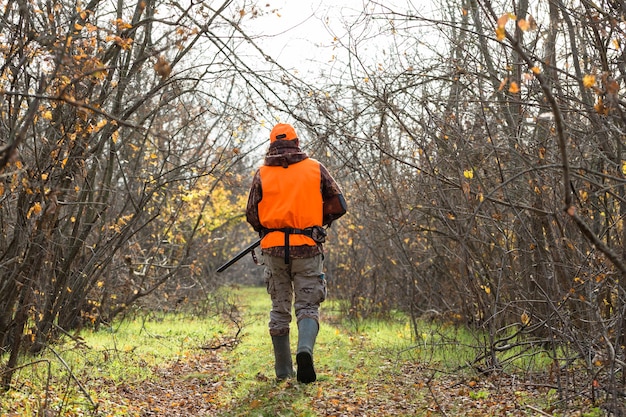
x=302 y=278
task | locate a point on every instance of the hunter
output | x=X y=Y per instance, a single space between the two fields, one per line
x=292 y=199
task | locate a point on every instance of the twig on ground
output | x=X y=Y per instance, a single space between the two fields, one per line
x=80 y=386
x=535 y=409
x=430 y=389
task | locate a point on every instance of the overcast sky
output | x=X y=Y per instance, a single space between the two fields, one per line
x=294 y=32
x=299 y=34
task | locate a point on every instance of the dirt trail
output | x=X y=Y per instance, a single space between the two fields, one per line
x=203 y=383
x=195 y=387
x=186 y=388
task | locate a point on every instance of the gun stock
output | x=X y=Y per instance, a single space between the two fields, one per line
x=239 y=256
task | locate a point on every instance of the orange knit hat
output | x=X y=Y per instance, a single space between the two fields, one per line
x=283 y=131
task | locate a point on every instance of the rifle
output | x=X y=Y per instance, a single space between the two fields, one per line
x=240 y=255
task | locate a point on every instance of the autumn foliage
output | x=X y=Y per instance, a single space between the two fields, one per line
x=115 y=147
x=487 y=181
x=481 y=152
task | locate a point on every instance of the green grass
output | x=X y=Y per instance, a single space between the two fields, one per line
x=353 y=357
x=374 y=366
x=67 y=376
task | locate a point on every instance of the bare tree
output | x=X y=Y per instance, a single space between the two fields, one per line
x=123 y=157
x=488 y=171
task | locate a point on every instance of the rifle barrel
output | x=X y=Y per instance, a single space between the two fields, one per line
x=239 y=256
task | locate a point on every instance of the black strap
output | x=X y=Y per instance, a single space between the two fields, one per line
x=292 y=231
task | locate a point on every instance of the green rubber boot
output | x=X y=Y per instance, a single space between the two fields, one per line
x=307 y=332
x=283 y=365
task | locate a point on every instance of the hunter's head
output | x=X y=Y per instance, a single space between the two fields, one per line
x=283 y=131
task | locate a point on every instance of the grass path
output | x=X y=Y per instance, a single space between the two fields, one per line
x=370 y=372
x=373 y=370
x=182 y=366
x=354 y=376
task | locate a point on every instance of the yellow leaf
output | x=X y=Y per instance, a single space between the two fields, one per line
x=589 y=80
x=500 y=33
x=513 y=88
x=34 y=210
x=468 y=173
x=624 y=167
x=536 y=70
x=47 y=115
x=525 y=318
x=121 y=24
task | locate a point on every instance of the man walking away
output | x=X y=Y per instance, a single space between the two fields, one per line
x=291 y=198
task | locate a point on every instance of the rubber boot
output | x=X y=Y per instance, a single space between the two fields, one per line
x=307 y=332
x=283 y=365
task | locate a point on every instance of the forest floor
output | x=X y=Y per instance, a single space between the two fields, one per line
x=364 y=369
x=186 y=389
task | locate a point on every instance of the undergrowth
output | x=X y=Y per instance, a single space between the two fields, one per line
x=373 y=367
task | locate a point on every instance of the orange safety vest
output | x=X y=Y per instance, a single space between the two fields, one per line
x=291 y=197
